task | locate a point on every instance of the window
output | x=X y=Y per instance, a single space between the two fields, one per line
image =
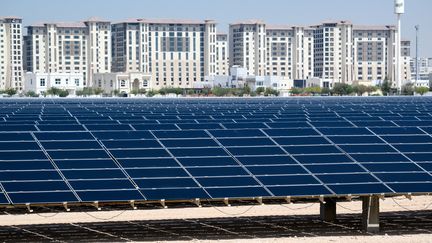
x=57 y=81
x=122 y=83
x=77 y=82
x=42 y=82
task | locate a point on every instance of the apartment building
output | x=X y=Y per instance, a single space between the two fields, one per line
x=222 y=54
x=333 y=52
x=82 y=47
x=289 y=51
x=247 y=46
x=424 y=67
x=406 y=60
x=176 y=53
x=374 y=52
x=11 y=63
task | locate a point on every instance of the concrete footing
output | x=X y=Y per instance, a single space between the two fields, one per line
x=370 y=214
x=328 y=210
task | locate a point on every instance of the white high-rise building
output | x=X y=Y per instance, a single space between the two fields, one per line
x=405 y=60
x=333 y=52
x=424 y=67
x=11 y=63
x=374 y=52
x=82 y=47
x=247 y=42
x=176 y=53
x=222 y=54
x=289 y=51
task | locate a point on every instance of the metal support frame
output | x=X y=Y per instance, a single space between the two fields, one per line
x=132 y=203
x=370 y=214
x=65 y=205
x=96 y=205
x=29 y=208
x=259 y=200
x=162 y=202
x=328 y=210
x=226 y=201
x=197 y=202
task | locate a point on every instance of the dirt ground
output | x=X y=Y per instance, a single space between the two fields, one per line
x=286 y=222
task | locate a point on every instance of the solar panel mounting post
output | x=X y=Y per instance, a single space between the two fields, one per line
x=328 y=210
x=370 y=214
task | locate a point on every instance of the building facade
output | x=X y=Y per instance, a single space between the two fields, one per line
x=122 y=82
x=11 y=53
x=41 y=82
x=374 y=52
x=247 y=46
x=424 y=67
x=406 y=60
x=333 y=52
x=83 y=47
x=222 y=54
x=289 y=51
x=175 y=53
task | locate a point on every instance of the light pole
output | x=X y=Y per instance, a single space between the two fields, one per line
x=399 y=10
x=417 y=28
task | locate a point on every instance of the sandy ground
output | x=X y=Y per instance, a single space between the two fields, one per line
x=387 y=205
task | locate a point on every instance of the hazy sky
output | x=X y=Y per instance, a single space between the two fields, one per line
x=301 y=12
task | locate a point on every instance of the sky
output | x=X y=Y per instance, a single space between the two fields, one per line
x=293 y=12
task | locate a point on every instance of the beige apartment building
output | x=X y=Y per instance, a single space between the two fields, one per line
x=222 y=54
x=82 y=47
x=289 y=51
x=247 y=46
x=333 y=52
x=176 y=53
x=374 y=52
x=11 y=48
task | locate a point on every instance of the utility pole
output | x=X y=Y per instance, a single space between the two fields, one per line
x=417 y=27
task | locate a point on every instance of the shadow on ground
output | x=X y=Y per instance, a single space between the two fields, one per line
x=395 y=223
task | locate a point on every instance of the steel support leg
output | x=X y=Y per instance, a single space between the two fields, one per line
x=370 y=214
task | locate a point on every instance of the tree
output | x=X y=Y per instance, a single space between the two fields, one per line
x=191 y=92
x=359 y=89
x=151 y=93
x=371 y=89
x=421 y=90
x=271 y=91
x=98 y=91
x=342 y=89
x=219 y=91
x=296 y=91
x=325 y=91
x=31 y=93
x=260 y=90
x=116 y=92
x=63 y=93
x=407 y=89
x=10 y=91
x=313 y=90
x=134 y=91
x=386 y=87
x=247 y=90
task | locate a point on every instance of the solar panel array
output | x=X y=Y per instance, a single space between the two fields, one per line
x=115 y=150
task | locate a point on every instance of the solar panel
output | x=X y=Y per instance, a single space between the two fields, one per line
x=110 y=150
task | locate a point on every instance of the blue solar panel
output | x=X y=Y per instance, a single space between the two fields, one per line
x=150 y=149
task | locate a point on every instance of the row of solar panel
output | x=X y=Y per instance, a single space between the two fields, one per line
x=283 y=132
x=207 y=193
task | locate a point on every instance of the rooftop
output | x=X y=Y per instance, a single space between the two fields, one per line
x=373 y=27
x=165 y=21
x=248 y=21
